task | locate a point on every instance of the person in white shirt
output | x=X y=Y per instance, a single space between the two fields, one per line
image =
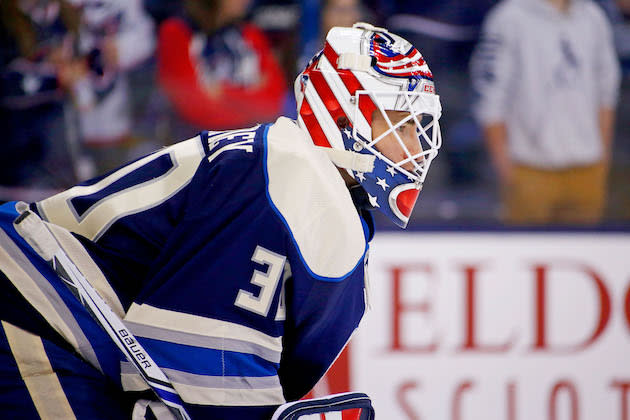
x=546 y=80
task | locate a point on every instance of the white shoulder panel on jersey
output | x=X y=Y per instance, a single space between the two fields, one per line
x=311 y=196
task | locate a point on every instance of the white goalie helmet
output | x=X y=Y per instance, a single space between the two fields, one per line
x=361 y=71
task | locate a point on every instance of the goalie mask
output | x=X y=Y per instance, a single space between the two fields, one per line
x=361 y=73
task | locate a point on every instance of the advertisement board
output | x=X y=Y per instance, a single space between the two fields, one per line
x=505 y=326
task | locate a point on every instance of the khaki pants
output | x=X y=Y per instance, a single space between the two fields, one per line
x=566 y=196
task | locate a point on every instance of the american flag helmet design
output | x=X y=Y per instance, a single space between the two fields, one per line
x=362 y=71
x=393 y=63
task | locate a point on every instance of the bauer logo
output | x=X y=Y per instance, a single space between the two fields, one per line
x=134 y=348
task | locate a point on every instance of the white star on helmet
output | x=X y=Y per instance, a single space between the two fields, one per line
x=373 y=200
x=382 y=183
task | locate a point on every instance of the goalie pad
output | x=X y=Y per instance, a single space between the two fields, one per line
x=346 y=406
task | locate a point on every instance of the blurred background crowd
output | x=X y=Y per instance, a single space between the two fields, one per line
x=86 y=85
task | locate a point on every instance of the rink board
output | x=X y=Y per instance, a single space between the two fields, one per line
x=506 y=326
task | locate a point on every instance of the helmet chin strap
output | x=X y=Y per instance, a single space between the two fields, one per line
x=350 y=160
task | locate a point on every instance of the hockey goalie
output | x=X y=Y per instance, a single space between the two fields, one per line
x=219 y=278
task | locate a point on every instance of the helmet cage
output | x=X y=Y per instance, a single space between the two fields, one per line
x=422 y=107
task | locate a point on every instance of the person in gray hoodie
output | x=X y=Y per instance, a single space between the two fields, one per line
x=546 y=80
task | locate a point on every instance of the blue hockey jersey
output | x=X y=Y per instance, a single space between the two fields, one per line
x=237 y=258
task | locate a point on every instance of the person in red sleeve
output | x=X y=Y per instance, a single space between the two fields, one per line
x=216 y=69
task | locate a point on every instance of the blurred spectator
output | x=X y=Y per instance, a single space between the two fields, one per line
x=160 y=10
x=618 y=11
x=547 y=79
x=115 y=36
x=339 y=13
x=332 y=13
x=35 y=161
x=329 y=13
x=217 y=69
x=446 y=31
x=284 y=23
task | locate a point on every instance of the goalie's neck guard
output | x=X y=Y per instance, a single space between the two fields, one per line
x=387 y=189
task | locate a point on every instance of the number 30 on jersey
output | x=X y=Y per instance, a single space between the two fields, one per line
x=267 y=281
